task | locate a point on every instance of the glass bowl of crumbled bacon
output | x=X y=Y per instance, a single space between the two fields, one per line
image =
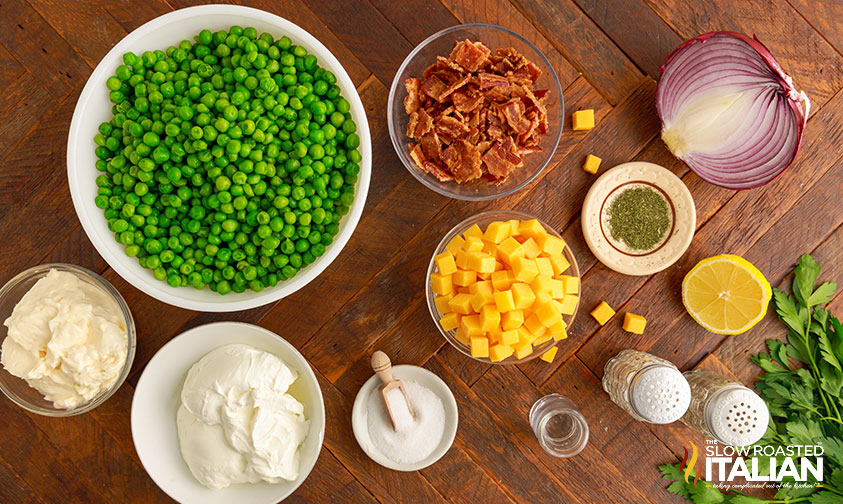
x=475 y=112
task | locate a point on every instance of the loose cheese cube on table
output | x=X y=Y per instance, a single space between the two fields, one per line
x=569 y=304
x=634 y=323
x=481 y=299
x=522 y=349
x=464 y=278
x=474 y=230
x=525 y=270
x=509 y=249
x=479 y=346
x=602 y=313
x=531 y=228
x=490 y=318
x=481 y=262
x=441 y=303
x=531 y=248
x=461 y=303
x=471 y=325
x=500 y=352
x=544 y=266
x=445 y=262
x=523 y=296
x=461 y=258
x=509 y=337
x=497 y=231
x=502 y=280
x=473 y=244
x=512 y=319
x=550 y=244
x=583 y=120
x=549 y=355
x=542 y=284
x=557 y=288
x=535 y=326
x=560 y=264
x=592 y=164
x=481 y=286
x=572 y=284
x=462 y=336
x=504 y=301
x=450 y=321
x=455 y=245
x=441 y=284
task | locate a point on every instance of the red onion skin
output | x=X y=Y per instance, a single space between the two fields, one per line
x=793 y=95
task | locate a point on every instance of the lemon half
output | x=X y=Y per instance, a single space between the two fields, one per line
x=726 y=294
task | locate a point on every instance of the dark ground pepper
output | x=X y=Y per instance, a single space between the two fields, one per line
x=639 y=217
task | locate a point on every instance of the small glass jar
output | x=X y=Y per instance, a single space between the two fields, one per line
x=649 y=388
x=725 y=410
x=561 y=430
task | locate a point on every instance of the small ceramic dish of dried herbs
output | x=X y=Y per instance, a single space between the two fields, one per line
x=638 y=218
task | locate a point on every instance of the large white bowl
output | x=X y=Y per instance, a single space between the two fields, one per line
x=158 y=395
x=94 y=107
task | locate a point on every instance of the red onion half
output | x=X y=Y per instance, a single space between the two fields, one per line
x=729 y=111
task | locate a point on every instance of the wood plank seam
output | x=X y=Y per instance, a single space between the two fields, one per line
x=816 y=29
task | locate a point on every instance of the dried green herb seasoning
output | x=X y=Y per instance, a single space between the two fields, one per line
x=639 y=217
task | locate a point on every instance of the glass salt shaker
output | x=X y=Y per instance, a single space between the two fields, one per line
x=561 y=430
x=725 y=410
x=649 y=388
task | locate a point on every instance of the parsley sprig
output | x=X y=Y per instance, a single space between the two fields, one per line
x=802 y=384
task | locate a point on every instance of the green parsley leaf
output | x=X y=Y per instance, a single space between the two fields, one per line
x=804 y=277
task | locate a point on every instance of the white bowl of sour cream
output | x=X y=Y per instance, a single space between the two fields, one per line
x=158 y=399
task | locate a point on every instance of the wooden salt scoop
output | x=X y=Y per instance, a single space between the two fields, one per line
x=382 y=366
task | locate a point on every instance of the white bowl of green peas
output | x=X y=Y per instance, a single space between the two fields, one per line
x=219 y=158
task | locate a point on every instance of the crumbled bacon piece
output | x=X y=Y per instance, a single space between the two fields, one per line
x=475 y=114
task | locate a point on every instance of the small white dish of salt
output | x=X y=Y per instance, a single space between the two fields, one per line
x=412 y=443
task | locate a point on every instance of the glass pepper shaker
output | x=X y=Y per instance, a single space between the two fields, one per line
x=649 y=388
x=725 y=410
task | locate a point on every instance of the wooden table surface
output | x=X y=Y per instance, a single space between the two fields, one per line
x=607 y=54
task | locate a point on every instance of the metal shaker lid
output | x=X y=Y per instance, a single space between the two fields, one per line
x=660 y=394
x=737 y=416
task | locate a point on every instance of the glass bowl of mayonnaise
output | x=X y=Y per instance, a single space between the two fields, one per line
x=67 y=340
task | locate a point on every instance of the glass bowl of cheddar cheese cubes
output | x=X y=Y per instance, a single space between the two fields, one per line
x=503 y=287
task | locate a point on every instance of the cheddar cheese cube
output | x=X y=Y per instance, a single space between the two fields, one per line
x=592 y=163
x=455 y=245
x=602 y=313
x=634 y=323
x=525 y=270
x=441 y=284
x=473 y=244
x=524 y=334
x=559 y=263
x=509 y=249
x=522 y=349
x=479 y=346
x=509 y=337
x=531 y=228
x=512 y=319
x=461 y=335
x=544 y=338
x=557 y=330
x=474 y=230
x=500 y=352
x=569 y=304
x=441 y=303
x=461 y=290
x=499 y=266
x=523 y=296
x=504 y=301
x=542 y=297
x=535 y=326
x=550 y=244
x=445 y=263
x=481 y=299
x=497 y=231
x=542 y=284
x=481 y=262
x=583 y=120
x=461 y=258
x=502 y=280
x=461 y=303
x=490 y=318
x=557 y=288
x=481 y=286
x=531 y=248
x=464 y=278
x=494 y=336
x=544 y=266
x=489 y=248
x=549 y=355
x=450 y=321
x=548 y=314
x=514 y=224
x=471 y=325
x=572 y=284
x=483 y=276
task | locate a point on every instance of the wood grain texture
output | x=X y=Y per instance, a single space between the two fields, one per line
x=371 y=298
